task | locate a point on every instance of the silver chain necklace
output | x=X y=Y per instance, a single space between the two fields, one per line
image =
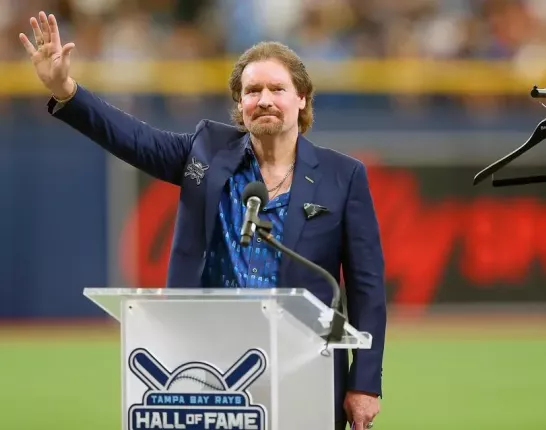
x=283 y=179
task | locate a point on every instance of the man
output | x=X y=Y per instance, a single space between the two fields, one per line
x=273 y=109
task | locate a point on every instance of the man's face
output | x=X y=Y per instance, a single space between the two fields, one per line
x=269 y=103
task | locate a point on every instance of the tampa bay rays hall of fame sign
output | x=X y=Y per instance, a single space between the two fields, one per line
x=196 y=395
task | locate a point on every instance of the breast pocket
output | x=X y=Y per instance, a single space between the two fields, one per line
x=321 y=238
x=321 y=224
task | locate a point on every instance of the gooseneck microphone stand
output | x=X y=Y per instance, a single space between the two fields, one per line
x=263 y=229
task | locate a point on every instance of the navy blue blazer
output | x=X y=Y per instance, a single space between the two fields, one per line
x=345 y=237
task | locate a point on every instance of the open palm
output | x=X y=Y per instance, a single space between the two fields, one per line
x=51 y=60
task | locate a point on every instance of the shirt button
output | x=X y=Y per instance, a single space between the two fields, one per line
x=254 y=270
x=259 y=239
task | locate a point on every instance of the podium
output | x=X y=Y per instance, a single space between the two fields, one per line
x=238 y=359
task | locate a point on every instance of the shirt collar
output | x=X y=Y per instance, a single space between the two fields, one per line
x=249 y=152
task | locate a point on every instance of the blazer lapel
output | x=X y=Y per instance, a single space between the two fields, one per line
x=223 y=165
x=305 y=181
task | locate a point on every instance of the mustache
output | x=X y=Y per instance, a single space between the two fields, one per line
x=261 y=112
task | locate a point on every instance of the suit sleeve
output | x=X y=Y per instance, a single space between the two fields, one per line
x=161 y=154
x=363 y=272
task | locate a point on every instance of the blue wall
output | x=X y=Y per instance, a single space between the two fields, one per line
x=53 y=220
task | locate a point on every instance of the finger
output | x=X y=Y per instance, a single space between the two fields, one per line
x=38 y=36
x=67 y=50
x=29 y=47
x=44 y=25
x=359 y=424
x=54 y=30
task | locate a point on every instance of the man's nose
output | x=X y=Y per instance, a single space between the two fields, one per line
x=265 y=99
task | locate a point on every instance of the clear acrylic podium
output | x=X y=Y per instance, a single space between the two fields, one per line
x=233 y=359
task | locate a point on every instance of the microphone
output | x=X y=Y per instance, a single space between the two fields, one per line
x=255 y=196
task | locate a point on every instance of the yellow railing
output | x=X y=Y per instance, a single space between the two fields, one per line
x=355 y=76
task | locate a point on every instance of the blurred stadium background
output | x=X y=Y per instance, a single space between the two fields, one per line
x=426 y=92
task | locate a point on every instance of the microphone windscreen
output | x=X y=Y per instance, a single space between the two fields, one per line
x=256 y=189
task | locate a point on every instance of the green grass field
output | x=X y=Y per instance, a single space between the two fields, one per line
x=443 y=376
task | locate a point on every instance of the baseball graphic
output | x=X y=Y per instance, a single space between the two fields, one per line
x=197 y=377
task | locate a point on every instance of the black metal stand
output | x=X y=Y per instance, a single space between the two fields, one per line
x=538 y=136
x=263 y=229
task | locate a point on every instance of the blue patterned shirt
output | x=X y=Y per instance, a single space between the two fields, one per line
x=228 y=264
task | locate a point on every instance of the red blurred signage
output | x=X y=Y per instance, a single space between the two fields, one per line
x=482 y=242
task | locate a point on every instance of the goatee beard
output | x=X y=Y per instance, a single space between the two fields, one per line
x=266 y=129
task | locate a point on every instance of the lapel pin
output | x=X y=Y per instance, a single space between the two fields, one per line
x=196 y=170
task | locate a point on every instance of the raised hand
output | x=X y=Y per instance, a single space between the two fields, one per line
x=51 y=60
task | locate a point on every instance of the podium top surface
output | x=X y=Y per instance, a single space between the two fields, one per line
x=194 y=293
x=299 y=302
